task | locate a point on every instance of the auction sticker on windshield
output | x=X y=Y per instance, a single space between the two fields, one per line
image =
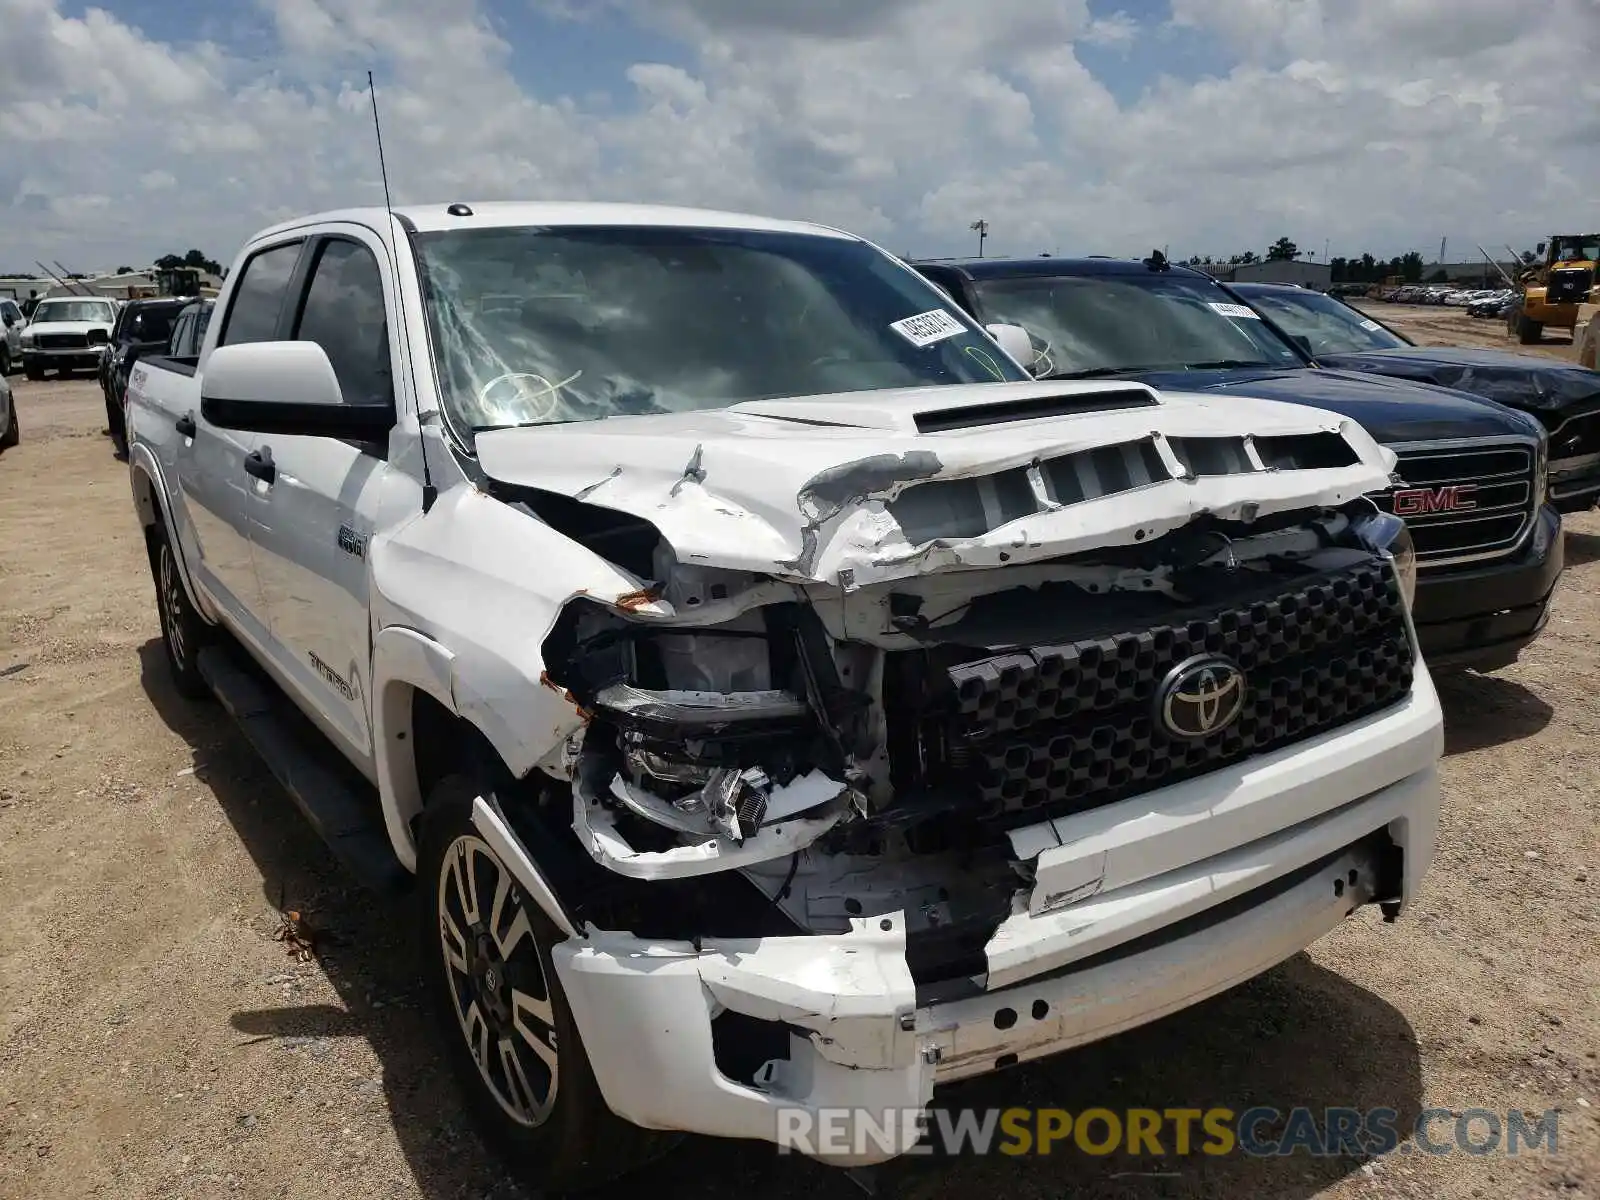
x=1373 y=326
x=925 y=329
x=1235 y=310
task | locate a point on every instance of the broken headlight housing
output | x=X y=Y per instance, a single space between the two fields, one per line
x=1386 y=534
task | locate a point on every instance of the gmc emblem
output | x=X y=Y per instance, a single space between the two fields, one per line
x=1416 y=502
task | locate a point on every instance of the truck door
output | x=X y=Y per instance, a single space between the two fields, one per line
x=320 y=511
x=215 y=466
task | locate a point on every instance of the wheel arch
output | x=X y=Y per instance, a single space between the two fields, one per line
x=149 y=502
x=421 y=736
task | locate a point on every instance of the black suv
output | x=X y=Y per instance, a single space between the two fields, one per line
x=1471 y=475
x=142 y=326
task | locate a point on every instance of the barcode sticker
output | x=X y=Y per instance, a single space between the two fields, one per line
x=1235 y=310
x=1372 y=325
x=925 y=329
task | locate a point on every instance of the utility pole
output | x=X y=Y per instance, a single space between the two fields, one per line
x=981 y=227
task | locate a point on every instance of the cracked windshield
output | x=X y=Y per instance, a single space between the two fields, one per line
x=538 y=326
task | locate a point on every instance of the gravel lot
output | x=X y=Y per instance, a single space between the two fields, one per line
x=155 y=1041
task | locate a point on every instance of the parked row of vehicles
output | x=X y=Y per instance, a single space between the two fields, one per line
x=1450 y=297
x=791 y=679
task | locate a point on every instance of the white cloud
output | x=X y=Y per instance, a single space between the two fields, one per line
x=1119 y=29
x=1379 y=124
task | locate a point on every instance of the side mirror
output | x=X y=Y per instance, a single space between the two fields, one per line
x=286 y=388
x=1014 y=340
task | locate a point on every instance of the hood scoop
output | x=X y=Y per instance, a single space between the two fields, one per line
x=972 y=416
x=937 y=410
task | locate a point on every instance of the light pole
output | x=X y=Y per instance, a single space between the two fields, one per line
x=982 y=228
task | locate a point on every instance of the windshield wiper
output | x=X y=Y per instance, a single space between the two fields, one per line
x=1102 y=372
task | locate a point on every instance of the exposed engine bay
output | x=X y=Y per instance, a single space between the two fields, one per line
x=868 y=752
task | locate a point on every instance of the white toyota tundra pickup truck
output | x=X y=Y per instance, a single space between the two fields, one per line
x=784 y=706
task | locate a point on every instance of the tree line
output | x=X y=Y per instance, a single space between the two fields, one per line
x=167 y=262
x=1365 y=269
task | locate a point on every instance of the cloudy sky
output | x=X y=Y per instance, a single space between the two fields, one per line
x=1078 y=126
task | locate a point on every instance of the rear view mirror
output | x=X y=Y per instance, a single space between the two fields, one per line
x=1014 y=340
x=287 y=388
x=1301 y=340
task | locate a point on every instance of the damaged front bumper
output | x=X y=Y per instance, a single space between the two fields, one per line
x=1172 y=896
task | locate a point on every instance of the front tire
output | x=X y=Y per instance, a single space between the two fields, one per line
x=13 y=433
x=5 y=358
x=32 y=370
x=1529 y=331
x=508 y=1031
x=183 y=631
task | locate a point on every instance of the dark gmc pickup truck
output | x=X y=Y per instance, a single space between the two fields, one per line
x=1473 y=471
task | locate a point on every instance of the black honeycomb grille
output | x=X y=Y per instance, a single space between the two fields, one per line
x=1060 y=729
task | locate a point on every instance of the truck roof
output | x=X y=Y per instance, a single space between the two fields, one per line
x=474 y=214
x=1011 y=268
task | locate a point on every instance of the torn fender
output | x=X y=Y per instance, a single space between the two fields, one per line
x=487 y=582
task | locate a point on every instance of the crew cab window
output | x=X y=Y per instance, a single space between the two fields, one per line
x=152 y=324
x=11 y=313
x=258 y=296
x=344 y=314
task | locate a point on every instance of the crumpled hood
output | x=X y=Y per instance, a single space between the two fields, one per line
x=1525 y=381
x=812 y=489
x=1391 y=410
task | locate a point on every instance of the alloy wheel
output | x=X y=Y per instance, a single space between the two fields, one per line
x=497 y=981
x=172 y=607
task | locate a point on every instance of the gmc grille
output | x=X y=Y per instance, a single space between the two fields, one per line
x=1464 y=502
x=63 y=341
x=1060 y=729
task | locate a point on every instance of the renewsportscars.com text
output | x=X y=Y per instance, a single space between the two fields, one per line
x=1168 y=1132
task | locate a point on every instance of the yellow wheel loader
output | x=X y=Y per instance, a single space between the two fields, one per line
x=1553 y=290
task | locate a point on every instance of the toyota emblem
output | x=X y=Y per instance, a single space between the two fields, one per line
x=1201 y=696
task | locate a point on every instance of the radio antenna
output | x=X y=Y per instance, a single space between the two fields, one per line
x=429 y=492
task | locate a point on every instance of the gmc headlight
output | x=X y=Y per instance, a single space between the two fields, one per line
x=27 y=337
x=1387 y=534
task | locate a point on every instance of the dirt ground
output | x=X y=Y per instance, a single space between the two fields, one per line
x=156 y=1041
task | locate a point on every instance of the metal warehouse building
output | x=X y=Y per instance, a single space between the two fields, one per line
x=1306 y=274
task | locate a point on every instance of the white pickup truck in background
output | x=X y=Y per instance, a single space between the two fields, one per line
x=782 y=703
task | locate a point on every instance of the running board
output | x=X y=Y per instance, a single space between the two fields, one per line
x=348 y=821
